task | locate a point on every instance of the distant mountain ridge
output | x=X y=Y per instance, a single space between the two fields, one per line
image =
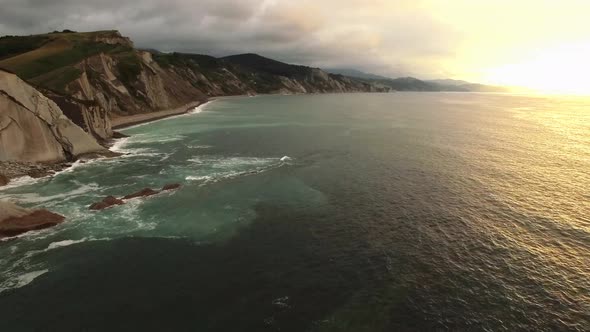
x=415 y=84
x=356 y=73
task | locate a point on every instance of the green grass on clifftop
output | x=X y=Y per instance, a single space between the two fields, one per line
x=129 y=67
x=49 y=59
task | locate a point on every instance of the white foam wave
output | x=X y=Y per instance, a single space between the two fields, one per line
x=219 y=176
x=130 y=213
x=21 y=181
x=199 y=146
x=199 y=178
x=158 y=139
x=78 y=164
x=27 y=180
x=119 y=144
x=201 y=107
x=242 y=161
x=232 y=162
x=27 y=278
x=35 y=198
x=197 y=160
x=226 y=168
x=64 y=243
x=128 y=146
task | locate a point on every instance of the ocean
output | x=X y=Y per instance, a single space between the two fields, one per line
x=336 y=212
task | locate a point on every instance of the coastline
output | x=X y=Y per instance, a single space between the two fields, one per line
x=17 y=171
x=122 y=122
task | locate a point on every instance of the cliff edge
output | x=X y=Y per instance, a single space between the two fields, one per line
x=33 y=128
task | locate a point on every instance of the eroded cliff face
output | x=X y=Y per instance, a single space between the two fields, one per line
x=87 y=114
x=147 y=88
x=33 y=128
x=95 y=77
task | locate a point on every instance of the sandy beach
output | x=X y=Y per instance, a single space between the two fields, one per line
x=131 y=120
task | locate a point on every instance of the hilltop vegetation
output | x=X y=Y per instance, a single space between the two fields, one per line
x=14 y=45
x=261 y=64
x=47 y=60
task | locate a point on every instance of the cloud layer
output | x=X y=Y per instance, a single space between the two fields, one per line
x=427 y=38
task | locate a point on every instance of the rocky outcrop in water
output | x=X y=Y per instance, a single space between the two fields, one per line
x=111 y=201
x=106 y=203
x=15 y=220
x=33 y=128
x=142 y=193
x=171 y=186
x=4 y=180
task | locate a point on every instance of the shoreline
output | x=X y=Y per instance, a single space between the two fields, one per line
x=126 y=121
x=24 y=172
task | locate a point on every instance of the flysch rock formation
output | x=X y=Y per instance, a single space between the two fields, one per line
x=34 y=129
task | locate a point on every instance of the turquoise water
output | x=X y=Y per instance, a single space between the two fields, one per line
x=406 y=211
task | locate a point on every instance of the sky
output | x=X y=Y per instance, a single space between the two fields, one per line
x=541 y=44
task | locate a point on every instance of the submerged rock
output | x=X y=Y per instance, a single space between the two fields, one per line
x=15 y=220
x=106 y=203
x=111 y=200
x=4 y=180
x=171 y=186
x=142 y=193
x=39 y=173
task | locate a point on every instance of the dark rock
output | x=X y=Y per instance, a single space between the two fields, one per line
x=142 y=193
x=38 y=173
x=15 y=169
x=106 y=203
x=38 y=219
x=171 y=186
x=117 y=134
x=3 y=180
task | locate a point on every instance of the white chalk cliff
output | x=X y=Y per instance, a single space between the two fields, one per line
x=33 y=128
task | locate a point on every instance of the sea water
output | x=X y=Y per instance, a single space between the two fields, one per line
x=344 y=212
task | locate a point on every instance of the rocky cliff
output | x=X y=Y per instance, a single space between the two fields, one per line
x=87 y=114
x=130 y=84
x=95 y=77
x=33 y=127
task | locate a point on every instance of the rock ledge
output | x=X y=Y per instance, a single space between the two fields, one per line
x=15 y=220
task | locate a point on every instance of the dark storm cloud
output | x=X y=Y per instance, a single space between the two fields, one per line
x=328 y=34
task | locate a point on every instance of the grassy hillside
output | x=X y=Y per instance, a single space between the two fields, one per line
x=261 y=64
x=14 y=45
x=47 y=60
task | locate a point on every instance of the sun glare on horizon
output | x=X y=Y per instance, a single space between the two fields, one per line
x=564 y=69
x=536 y=45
